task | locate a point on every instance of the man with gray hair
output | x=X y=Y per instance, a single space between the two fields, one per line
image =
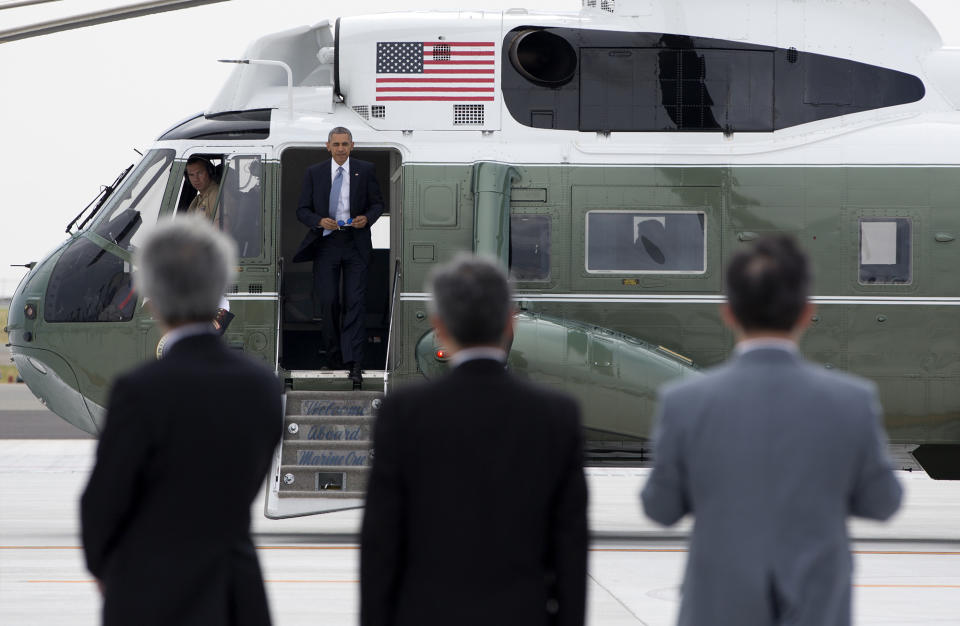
x=476 y=504
x=165 y=519
x=339 y=202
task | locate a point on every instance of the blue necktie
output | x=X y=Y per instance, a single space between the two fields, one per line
x=335 y=196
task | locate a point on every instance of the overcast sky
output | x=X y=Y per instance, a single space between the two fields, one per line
x=74 y=105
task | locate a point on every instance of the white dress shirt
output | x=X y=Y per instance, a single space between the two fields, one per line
x=182 y=332
x=343 y=206
x=749 y=345
x=478 y=352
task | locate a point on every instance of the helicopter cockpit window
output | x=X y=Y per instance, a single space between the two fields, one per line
x=241 y=204
x=89 y=284
x=885 y=251
x=530 y=247
x=646 y=242
x=137 y=201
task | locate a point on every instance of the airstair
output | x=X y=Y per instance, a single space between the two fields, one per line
x=323 y=461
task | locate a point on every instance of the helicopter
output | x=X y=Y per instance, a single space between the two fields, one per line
x=610 y=158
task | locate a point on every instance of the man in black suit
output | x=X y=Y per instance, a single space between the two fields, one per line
x=340 y=201
x=476 y=505
x=187 y=442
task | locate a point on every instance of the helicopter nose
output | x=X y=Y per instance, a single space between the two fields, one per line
x=35 y=352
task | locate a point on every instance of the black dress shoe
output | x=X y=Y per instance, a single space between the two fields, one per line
x=356 y=374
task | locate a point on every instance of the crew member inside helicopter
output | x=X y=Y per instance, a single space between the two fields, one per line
x=202 y=174
x=203 y=177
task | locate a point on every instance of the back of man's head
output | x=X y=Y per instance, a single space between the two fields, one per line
x=767 y=285
x=184 y=267
x=472 y=297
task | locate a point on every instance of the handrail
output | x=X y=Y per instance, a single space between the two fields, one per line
x=393 y=310
x=278 y=352
x=491 y=209
x=270 y=63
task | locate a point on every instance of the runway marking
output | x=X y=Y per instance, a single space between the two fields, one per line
x=356 y=582
x=910 y=586
x=41 y=547
x=881 y=552
x=906 y=552
x=61 y=581
x=266 y=581
x=351 y=547
x=639 y=550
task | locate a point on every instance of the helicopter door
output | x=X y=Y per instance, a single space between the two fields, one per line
x=300 y=324
x=254 y=298
x=240 y=213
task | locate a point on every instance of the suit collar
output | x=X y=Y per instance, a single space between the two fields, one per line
x=479 y=352
x=749 y=345
x=323 y=177
x=480 y=367
x=194 y=343
x=354 y=174
x=181 y=333
x=767 y=354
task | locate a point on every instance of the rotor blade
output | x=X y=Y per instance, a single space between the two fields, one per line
x=99 y=17
x=15 y=4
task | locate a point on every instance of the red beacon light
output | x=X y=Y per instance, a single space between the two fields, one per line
x=441 y=354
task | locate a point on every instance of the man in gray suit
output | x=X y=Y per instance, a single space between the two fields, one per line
x=771 y=454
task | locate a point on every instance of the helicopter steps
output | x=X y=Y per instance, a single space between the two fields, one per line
x=323 y=461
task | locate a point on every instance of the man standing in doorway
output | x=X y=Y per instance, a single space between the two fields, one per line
x=770 y=454
x=339 y=202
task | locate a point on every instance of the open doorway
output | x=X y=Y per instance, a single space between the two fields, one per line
x=300 y=323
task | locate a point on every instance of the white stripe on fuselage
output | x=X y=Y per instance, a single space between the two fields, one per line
x=588 y=298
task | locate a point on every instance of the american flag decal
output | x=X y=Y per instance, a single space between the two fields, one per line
x=459 y=71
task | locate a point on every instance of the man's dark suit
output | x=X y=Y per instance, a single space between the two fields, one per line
x=476 y=506
x=166 y=514
x=348 y=249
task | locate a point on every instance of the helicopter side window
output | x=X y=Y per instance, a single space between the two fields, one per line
x=236 y=185
x=885 y=252
x=646 y=242
x=212 y=165
x=137 y=201
x=241 y=204
x=530 y=247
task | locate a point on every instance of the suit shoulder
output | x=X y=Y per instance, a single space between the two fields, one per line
x=410 y=393
x=251 y=367
x=842 y=381
x=543 y=392
x=360 y=164
x=317 y=168
x=556 y=404
x=699 y=382
x=142 y=374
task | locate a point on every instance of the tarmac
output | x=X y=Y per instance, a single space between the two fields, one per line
x=907 y=571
